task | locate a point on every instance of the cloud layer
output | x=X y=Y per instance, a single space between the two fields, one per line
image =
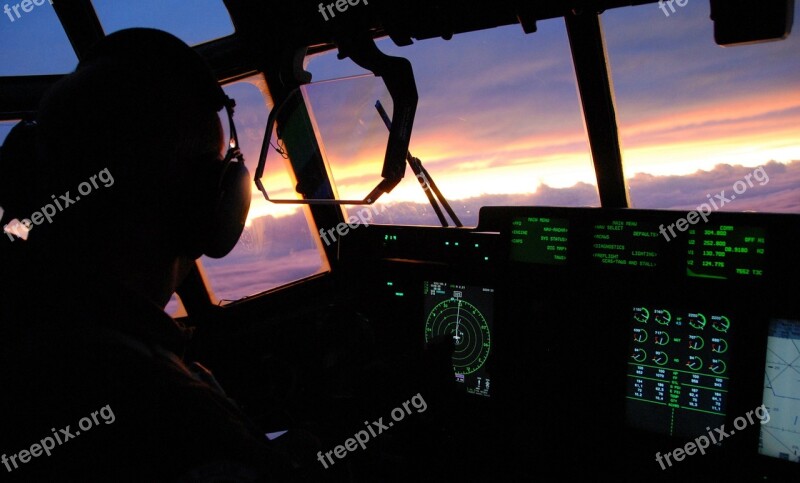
x=275 y=251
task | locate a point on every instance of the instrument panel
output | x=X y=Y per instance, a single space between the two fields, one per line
x=584 y=320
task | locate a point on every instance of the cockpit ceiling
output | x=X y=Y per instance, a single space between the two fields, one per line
x=300 y=23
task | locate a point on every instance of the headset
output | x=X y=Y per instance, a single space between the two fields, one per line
x=221 y=227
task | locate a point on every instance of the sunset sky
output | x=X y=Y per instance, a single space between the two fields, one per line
x=499 y=110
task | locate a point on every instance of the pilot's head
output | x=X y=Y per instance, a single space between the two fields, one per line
x=134 y=137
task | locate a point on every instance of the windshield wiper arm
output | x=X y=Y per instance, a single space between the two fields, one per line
x=425 y=179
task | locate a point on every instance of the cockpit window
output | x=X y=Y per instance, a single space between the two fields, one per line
x=32 y=41
x=5 y=128
x=498 y=123
x=277 y=246
x=193 y=21
x=697 y=119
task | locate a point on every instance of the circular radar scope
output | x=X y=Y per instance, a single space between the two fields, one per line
x=468 y=328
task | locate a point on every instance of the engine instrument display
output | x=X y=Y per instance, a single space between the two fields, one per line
x=678 y=369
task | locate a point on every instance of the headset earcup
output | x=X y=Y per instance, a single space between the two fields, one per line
x=228 y=215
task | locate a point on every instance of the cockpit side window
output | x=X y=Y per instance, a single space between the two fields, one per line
x=277 y=246
x=33 y=42
x=193 y=22
x=699 y=122
x=5 y=128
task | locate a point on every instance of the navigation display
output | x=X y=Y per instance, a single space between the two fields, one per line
x=465 y=314
x=780 y=435
x=678 y=370
x=726 y=251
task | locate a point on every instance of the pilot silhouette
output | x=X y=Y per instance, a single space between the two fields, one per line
x=123 y=183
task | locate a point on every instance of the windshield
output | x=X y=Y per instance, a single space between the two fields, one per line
x=498 y=123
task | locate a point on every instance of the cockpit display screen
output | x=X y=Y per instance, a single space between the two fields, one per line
x=626 y=243
x=541 y=240
x=780 y=432
x=678 y=370
x=465 y=314
x=726 y=251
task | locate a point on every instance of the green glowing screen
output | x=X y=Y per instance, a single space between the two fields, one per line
x=626 y=243
x=726 y=251
x=539 y=240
